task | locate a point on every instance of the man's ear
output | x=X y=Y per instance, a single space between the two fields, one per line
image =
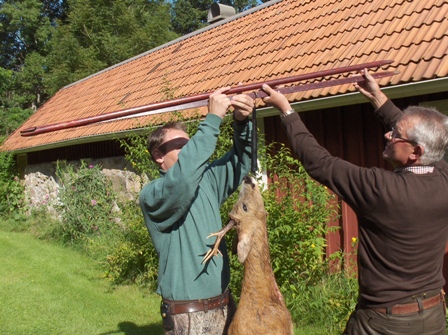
x=158 y=156
x=418 y=152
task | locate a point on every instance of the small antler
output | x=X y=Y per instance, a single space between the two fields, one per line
x=219 y=235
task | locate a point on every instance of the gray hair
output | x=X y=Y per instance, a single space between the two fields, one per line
x=429 y=128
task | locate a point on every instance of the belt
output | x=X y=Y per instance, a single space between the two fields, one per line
x=414 y=307
x=189 y=306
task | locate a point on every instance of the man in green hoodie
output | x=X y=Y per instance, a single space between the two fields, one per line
x=181 y=209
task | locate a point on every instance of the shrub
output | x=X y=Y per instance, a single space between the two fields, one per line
x=12 y=196
x=132 y=258
x=86 y=201
x=299 y=209
x=136 y=149
x=326 y=304
x=298 y=212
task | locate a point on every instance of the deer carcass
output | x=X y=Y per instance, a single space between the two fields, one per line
x=262 y=309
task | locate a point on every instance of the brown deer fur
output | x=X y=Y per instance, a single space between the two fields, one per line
x=261 y=309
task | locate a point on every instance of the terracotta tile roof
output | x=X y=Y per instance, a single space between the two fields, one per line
x=274 y=40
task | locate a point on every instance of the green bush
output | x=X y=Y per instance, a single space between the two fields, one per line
x=298 y=212
x=14 y=212
x=326 y=304
x=14 y=222
x=12 y=195
x=132 y=258
x=86 y=201
x=136 y=149
x=299 y=209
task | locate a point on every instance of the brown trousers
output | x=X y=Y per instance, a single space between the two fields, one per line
x=370 y=322
x=213 y=322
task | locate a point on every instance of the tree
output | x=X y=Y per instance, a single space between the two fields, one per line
x=47 y=44
x=25 y=27
x=102 y=33
x=11 y=114
x=190 y=15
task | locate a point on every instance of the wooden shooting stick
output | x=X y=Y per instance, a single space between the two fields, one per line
x=202 y=99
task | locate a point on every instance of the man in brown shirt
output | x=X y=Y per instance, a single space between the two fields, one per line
x=402 y=215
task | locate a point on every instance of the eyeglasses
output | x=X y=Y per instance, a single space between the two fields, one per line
x=393 y=137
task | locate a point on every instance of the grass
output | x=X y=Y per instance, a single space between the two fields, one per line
x=47 y=288
x=50 y=289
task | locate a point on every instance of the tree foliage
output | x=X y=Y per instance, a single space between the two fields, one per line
x=47 y=44
x=103 y=33
x=11 y=113
x=26 y=28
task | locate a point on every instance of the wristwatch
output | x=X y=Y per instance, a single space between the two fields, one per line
x=285 y=114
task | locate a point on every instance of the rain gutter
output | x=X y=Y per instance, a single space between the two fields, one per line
x=393 y=92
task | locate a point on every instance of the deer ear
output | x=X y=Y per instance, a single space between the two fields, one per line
x=244 y=246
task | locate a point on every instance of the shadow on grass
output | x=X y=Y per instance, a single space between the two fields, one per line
x=130 y=328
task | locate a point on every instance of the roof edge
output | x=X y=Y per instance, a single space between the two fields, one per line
x=79 y=140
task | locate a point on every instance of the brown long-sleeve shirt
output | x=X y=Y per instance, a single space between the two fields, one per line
x=402 y=217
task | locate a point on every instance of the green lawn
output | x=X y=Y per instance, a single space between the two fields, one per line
x=48 y=289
